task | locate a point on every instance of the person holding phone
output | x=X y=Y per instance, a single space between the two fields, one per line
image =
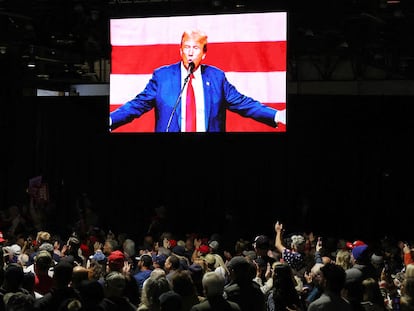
x=166 y=92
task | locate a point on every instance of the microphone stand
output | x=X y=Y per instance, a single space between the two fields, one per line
x=178 y=100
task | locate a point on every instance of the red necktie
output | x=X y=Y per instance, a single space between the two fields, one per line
x=190 y=112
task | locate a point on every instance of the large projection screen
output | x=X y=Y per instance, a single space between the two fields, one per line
x=249 y=47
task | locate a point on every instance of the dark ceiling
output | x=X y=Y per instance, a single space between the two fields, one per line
x=66 y=38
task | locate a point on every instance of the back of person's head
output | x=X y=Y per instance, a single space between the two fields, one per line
x=282 y=273
x=214 y=246
x=284 y=289
x=114 y=284
x=361 y=254
x=91 y=292
x=407 y=288
x=210 y=261
x=46 y=246
x=29 y=281
x=298 y=242
x=372 y=291
x=240 y=246
x=79 y=274
x=159 y=261
x=70 y=304
x=196 y=271
x=285 y=282
x=213 y=284
x=261 y=242
x=43 y=261
x=409 y=271
x=128 y=246
x=333 y=277
x=153 y=288
x=157 y=272
x=18 y=301
x=170 y=301
x=182 y=283
x=343 y=258
x=13 y=277
x=42 y=236
x=62 y=273
x=241 y=270
x=219 y=262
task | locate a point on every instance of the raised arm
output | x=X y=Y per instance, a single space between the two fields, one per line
x=279 y=235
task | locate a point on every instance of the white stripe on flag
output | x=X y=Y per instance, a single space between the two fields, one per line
x=268 y=87
x=247 y=27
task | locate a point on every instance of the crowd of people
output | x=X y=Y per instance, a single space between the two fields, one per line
x=94 y=269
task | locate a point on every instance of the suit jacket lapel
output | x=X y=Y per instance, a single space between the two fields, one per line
x=207 y=95
x=175 y=88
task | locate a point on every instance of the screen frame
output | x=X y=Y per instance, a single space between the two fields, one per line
x=181 y=22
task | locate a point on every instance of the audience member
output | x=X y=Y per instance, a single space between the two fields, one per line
x=261 y=245
x=91 y=293
x=360 y=270
x=182 y=284
x=153 y=287
x=213 y=286
x=332 y=281
x=372 y=299
x=170 y=301
x=18 y=302
x=389 y=266
x=343 y=258
x=242 y=289
x=61 y=293
x=12 y=282
x=117 y=262
x=407 y=289
x=114 y=293
x=283 y=295
x=172 y=265
x=144 y=268
x=293 y=255
x=42 y=265
x=313 y=283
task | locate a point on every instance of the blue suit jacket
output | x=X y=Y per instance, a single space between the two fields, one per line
x=164 y=87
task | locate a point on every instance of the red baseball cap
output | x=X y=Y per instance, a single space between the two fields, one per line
x=354 y=244
x=204 y=249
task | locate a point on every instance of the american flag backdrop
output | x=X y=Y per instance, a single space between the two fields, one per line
x=249 y=47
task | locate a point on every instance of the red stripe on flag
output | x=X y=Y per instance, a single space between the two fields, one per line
x=237 y=123
x=234 y=123
x=231 y=56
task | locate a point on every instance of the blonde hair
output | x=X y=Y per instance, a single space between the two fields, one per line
x=43 y=236
x=407 y=288
x=197 y=35
x=343 y=259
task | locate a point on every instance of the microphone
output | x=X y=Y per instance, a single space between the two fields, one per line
x=190 y=68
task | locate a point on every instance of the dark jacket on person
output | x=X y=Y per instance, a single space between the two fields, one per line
x=216 y=304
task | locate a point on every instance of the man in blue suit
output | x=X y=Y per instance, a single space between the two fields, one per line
x=166 y=93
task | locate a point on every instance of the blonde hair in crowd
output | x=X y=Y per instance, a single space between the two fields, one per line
x=407 y=288
x=343 y=259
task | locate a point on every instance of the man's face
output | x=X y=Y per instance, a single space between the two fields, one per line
x=192 y=51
